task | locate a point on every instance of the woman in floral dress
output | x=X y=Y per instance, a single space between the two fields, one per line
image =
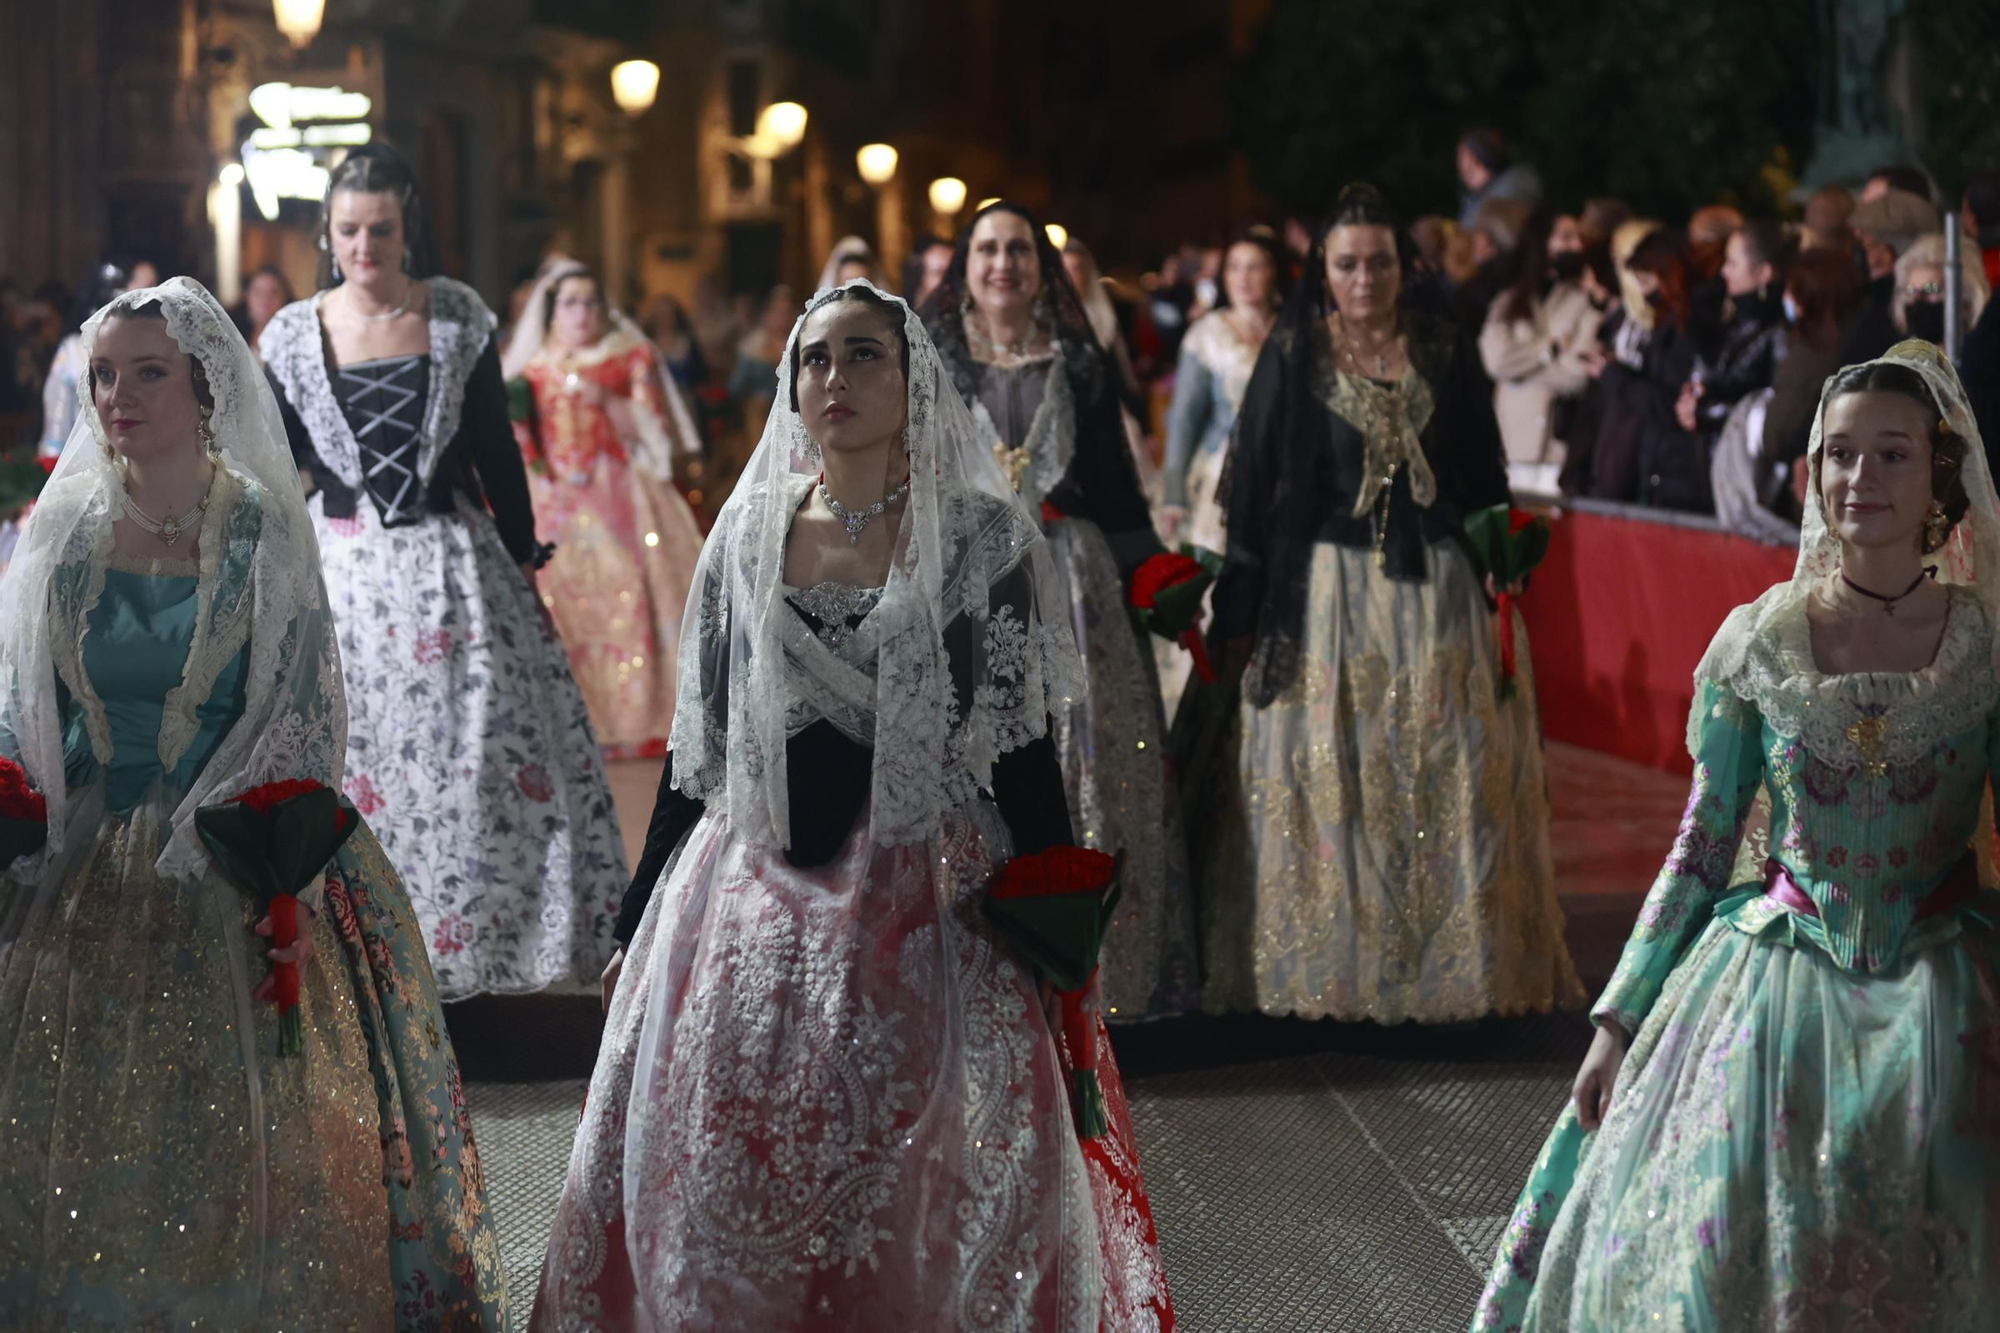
x=828 y=1100
x=1790 y=1117
x=167 y=648
x=468 y=745
x=601 y=424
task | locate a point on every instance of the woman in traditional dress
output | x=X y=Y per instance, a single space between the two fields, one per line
x=828 y=1099
x=603 y=426
x=1378 y=835
x=851 y=258
x=1804 y=1132
x=168 y=648
x=1019 y=348
x=1215 y=363
x=468 y=744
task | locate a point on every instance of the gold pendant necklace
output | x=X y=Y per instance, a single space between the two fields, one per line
x=168 y=529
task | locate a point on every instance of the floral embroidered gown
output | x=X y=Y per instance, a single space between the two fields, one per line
x=828 y=1100
x=601 y=475
x=161 y=1165
x=469 y=747
x=1803 y=1134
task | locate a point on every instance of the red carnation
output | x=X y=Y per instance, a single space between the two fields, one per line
x=1165 y=570
x=268 y=797
x=24 y=814
x=18 y=799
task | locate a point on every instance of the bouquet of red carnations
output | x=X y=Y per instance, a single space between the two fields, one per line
x=1053 y=908
x=1167 y=592
x=24 y=814
x=272 y=840
x=1507 y=543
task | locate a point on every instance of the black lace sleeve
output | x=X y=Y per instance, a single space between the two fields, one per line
x=1105 y=481
x=488 y=439
x=673 y=815
x=1028 y=788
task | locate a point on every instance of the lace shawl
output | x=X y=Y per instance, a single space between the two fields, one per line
x=971 y=652
x=295 y=350
x=258 y=584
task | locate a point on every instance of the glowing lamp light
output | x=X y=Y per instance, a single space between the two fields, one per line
x=231 y=174
x=634 y=85
x=299 y=19
x=947 y=194
x=783 y=123
x=876 y=162
x=1058 y=234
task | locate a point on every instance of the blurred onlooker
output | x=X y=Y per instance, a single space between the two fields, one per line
x=1884 y=179
x=925 y=268
x=60 y=404
x=1918 y=306
x=1487 y=170
x=851 y=258
x=1753 y=278
x=1822 y=294
x=1979 y=214
x=1828 y=211
x=1601 y=217
x=1886 y=226
x=1170 y=303
x=1713 y=225
x=267 y=292
x=1432 y=235
x=1535 y=345
x=1101 y=309
x=1623 y=335
x=666 y=322
x=753 y=381
x=1208 y=281
x=1496 y=237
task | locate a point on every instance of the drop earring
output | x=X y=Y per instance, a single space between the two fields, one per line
x=205 y=428
x=1937 y=527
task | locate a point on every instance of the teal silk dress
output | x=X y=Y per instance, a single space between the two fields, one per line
x=161 y=1166
x=1803 y=1134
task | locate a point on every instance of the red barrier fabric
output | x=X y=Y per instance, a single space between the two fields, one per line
x=1619 y=614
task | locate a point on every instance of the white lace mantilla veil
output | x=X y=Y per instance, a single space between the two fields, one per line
x=1819 y=548
x=659 y=441
x=971 y=643
x=259 y=583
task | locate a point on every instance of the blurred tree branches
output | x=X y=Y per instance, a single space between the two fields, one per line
x=1664 y=103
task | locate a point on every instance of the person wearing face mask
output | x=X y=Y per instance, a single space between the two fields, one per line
x=1918 y=306
x=829 y=1099
x=1019 y=345
x=603 y=429
x=1214 y=368
x=468 y=742
x=1375 y=842
x=1786 y=1118
x=1535 y=345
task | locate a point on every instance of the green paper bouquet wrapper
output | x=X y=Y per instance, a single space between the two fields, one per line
x=1053 y=908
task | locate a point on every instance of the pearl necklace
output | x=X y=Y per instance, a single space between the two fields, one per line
x=169 y=529
x=347 y=299
x=1032 y=343
x=856 y=520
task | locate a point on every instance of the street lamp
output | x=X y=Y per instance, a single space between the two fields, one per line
x=783 y=123
x=876 y=162
x=947 y=195
x=299 y=19
x=634 y=85
x=1058 y=235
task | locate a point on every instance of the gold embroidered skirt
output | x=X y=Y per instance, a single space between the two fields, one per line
x=1379 y=846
